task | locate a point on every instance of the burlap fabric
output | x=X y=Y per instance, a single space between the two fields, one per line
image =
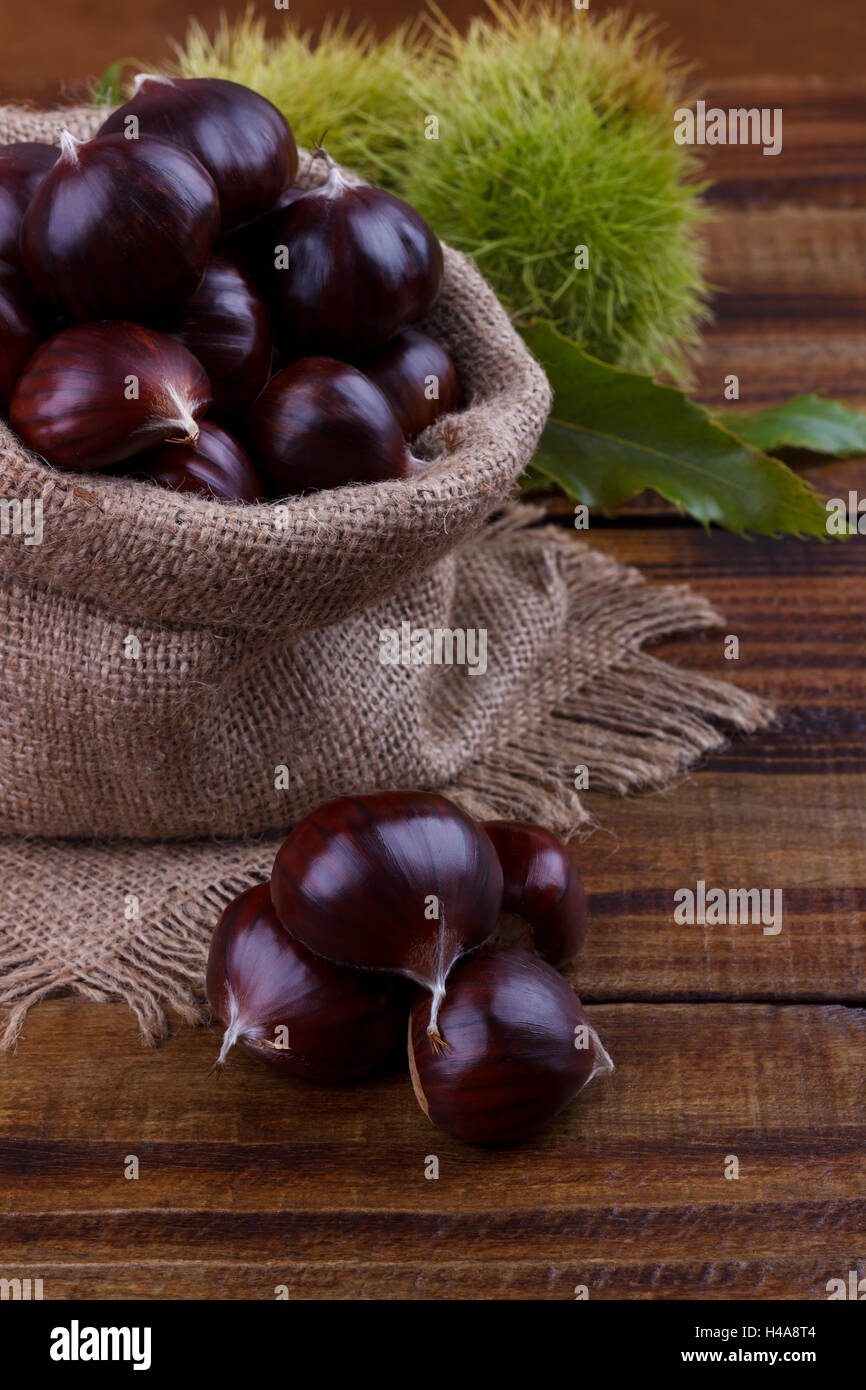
x=180 y=680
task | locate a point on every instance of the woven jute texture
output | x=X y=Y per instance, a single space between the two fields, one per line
x=181 y=680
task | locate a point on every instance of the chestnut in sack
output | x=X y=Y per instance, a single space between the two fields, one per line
x=215 y=466
x=18 y=336
x=119 y=227
x=250 y=246
x=22 y=169
x=291 y=1009
x=226 y=325
x=242 y=139
x=519 y=1048
x=322 y=424
x=394 y=881
x=350 y=265
x=418 y=379
x=101 y=392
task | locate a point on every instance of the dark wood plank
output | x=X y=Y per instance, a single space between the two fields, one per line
x=823 y=157
x=325 y=1190
x=44 y=62
x=783 y=809
x=753 y=1279
x=790 y=310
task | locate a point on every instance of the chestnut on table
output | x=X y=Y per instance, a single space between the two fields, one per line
x=520 y=1048
x=406 y=883
x=290 y=1008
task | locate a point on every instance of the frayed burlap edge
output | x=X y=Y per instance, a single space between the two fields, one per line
x=635 y=723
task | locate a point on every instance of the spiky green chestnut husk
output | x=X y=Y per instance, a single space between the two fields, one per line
x=555 y=131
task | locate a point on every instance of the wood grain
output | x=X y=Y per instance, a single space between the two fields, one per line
x=822 y=161
x=790 y=313
x=626 y=1192
x=45 y=61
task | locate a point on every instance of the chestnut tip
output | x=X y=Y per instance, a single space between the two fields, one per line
x=69 y=144
x=437 y=1042
x=141 y=77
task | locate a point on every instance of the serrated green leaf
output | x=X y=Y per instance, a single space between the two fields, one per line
x=806 y=422
x=613 y=433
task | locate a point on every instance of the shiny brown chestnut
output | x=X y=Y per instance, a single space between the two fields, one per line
x=400 y=881
x=22 y=169
x=350 y=265
x=250 y=246
x=287 y=1007
x=98 y=393
x=417 y=377
x=242 y=140
x=226 y=325
x=322 y=424
x=542 y=886
x=119 y=227
x=18 y=336
x=214 y=466
x=519 y=1048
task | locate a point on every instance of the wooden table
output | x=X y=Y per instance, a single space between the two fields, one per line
x=728 y=1042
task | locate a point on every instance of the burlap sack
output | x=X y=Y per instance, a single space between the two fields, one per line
x=189 y=677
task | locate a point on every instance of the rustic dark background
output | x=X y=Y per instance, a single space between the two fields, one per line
x=69 y=41
x=726 y=1041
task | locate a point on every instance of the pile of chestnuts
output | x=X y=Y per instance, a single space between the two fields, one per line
x=378 y=920
x=174 y=308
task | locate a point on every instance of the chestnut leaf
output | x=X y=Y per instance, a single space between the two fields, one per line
x=805 y=422
x=613 y=433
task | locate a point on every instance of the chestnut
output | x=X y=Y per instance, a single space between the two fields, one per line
x=22 y=169
x=118 y=227
x=349 y=265
x=286 y=1006
x=98 y=393
x=519 y=1048
x=401 y=881
x=242 y=139
x=214 y=466
x=417 y=377
x=250 y=246
x=542 y=886
x=226 y=325
x=321 y=424
x=18 y=335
